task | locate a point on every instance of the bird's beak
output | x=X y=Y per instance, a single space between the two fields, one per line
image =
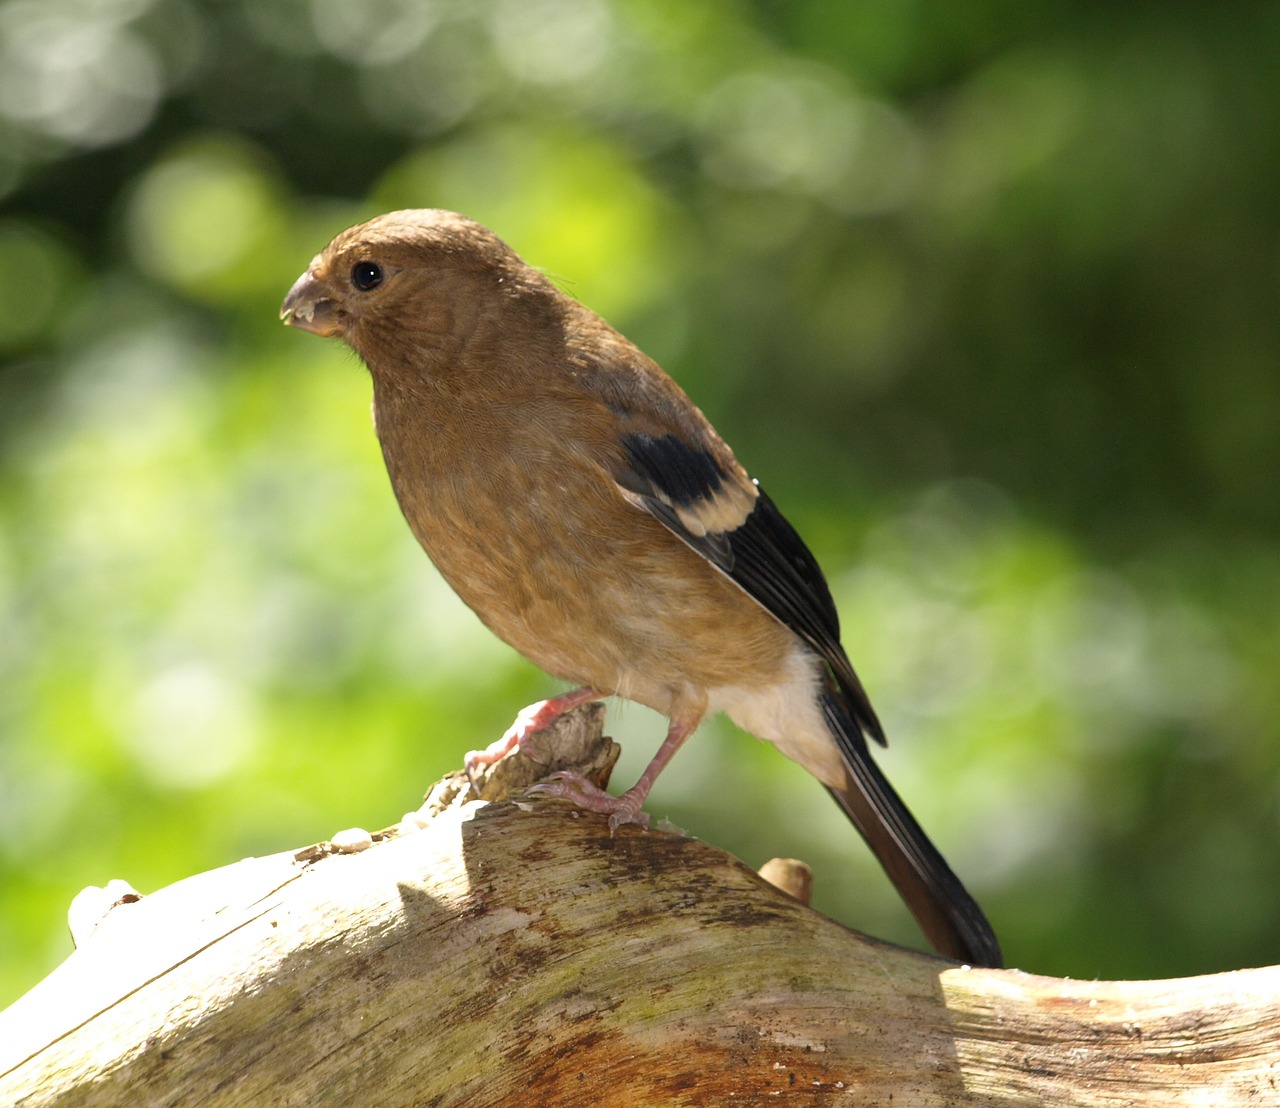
x=309 y=309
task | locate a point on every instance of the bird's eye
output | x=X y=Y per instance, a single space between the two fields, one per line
x=366 y=275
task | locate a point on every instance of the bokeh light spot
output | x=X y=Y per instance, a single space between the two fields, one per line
x=76 y=75
x=36 y=273
x=207 y=221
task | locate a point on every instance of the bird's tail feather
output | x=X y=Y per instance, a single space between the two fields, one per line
x=949 y=917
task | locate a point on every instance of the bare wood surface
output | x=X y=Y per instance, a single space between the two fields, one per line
x=513 y=953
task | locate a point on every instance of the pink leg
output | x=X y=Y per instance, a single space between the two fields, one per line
x=529 y=722
x=625 y=808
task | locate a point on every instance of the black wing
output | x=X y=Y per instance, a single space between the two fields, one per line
x=684 y=486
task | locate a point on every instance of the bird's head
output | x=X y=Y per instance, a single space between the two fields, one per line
x=423 y=277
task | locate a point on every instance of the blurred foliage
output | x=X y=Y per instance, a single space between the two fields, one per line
x=986 y=294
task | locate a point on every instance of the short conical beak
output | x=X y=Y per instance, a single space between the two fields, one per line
x=309 y=309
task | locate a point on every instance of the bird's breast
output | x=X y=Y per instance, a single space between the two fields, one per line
x=525 y=522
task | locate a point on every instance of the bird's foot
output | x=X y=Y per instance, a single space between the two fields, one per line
x=621 y=810
x=516 y=737
x=528 y=722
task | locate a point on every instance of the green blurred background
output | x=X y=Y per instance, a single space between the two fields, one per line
x=985 y=294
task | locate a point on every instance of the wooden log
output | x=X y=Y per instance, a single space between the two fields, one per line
x=514 y=953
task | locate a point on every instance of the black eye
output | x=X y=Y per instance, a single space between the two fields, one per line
x=366 y=275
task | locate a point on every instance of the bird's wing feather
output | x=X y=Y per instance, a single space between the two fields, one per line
x=683 y=485
x=692 y=484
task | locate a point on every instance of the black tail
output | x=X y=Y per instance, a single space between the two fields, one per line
x=949 y=917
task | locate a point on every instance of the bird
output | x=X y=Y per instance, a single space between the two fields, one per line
x=579 y=502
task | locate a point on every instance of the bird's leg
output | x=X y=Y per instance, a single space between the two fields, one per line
x=625 y=808
x=529 y=721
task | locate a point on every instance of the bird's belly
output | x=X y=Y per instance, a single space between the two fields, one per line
x=787 y=712
x=603 y=595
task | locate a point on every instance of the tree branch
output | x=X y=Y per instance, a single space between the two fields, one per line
x=515 y=953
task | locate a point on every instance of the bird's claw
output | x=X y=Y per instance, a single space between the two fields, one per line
x=573 y=787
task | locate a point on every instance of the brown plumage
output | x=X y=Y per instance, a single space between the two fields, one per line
x=584 y=508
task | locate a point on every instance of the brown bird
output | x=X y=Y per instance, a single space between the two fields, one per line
x=589 y=514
